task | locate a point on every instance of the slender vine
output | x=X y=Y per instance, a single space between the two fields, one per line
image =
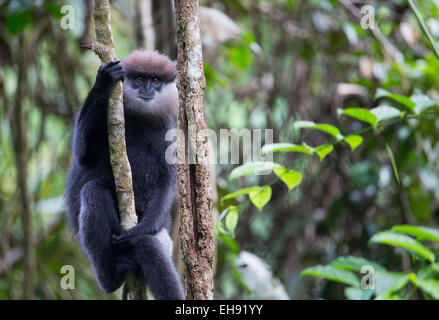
x=424 y=28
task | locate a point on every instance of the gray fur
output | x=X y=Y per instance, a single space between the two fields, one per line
x=165 y=101
x=91 y=199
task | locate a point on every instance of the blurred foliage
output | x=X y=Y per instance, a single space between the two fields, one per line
x=354 y=117
x=378 y=281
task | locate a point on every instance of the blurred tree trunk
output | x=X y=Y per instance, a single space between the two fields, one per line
x=145 y=36
x=195 y=194
x=85 y=37
x=19 y=139
x=104 y=48
x=164 y=16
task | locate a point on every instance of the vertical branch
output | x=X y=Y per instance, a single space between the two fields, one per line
x=164 y=18
x=169 y=29
x=144 y=25
x=196 y=228
x=104 y=48
x=19 y=139
x=85 y=37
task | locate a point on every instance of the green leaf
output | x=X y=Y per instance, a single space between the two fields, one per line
x=405 y=242
x=239 y=192
x=219 y=226
x=228 y=220
x=231 y=220
x=291 y=3
x=53 y=9
x=384 y=281
x=422 y=102
x=331 y=273
x=252 y=168
x=430 y=271
x=422 y=233
x=396 y=97
x=286 y=147
x=352 y=263
x=303 y=124
x=353 y=293
x=393 y=162
x=388 y=297
x=241 y=56
x=430 y=286
x=18 y=21
x=323 y=150
x=359 y=114
x=386 y=112
x=290 y=177
x=328 y=128
x=354 y=141
x=419 y=200
x=229 y=242
x=213 y=76
x=388 y=284
x=260 y=197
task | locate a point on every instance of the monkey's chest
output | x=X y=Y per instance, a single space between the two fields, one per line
x=146 y=153
x=144 y=166
x=146 y=169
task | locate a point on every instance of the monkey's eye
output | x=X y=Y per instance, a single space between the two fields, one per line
x=155 y=81
x=139 y=79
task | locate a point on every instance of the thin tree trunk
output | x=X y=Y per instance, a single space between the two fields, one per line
x=85 y=37
x=144 y=25
x=164 y=18
x=104 y=48
x=19 y=135
x=169 y=29
x=195 y=194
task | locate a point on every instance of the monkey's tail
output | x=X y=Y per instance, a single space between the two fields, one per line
x=158 y=269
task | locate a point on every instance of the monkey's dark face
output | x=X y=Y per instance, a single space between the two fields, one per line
x=149 y=94
x=149 y=84
x=146 y=85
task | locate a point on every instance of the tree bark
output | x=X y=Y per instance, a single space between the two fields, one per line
x=104 y=48
x=195 y=194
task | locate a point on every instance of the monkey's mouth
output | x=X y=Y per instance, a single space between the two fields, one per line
x=147 y=98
